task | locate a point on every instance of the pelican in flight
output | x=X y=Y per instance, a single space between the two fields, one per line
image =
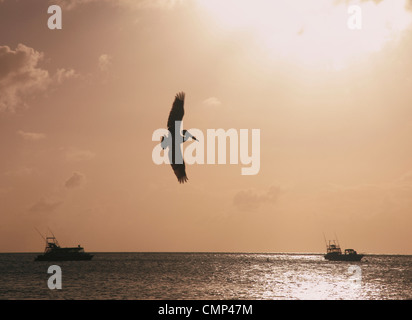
x=175 y=156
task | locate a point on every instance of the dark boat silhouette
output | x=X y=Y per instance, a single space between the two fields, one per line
x=334 y=253
x=53 y=252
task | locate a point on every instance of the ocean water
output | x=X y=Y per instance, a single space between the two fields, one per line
x=210 y=276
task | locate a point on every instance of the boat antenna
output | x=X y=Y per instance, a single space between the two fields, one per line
x=326 y=244
x=337 y=239
x=55 y=240
x=51 y=232
x=40 y=234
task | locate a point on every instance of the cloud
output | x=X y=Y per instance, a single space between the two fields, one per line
x=20 y=76
x=76 y=180
x=31 y=136
x=105 y=61
x=75 y=155
x=50 y=203
x=63 y=74
x=212 y=102
x=45 y=206
x=250 y=200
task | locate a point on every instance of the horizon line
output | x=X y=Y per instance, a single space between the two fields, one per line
x=215 y=252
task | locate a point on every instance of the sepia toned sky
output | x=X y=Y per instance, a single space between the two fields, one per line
x=78 y=108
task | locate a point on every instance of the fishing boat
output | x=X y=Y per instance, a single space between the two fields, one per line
x=334 y=253
x=53 y=252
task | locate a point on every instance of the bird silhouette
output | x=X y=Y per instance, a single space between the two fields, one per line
x=175 y=155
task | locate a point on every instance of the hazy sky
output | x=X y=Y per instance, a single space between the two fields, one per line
x=78 y=108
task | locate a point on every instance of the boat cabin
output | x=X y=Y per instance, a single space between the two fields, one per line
x=350 y=251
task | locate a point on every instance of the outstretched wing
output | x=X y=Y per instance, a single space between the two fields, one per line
x=177 y=112
x=180 y=172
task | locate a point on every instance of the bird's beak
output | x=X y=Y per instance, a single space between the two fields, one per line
x=194 y=138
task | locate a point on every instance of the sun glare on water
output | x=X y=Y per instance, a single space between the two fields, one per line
x=313 y=33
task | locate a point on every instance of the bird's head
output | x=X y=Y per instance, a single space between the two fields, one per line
x=187 y=135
